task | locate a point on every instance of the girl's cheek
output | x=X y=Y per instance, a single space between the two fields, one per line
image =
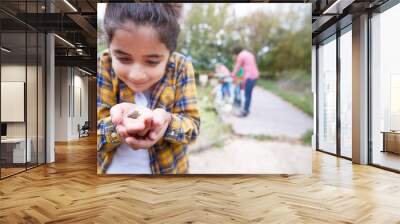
x=121 y=70
x=160 y=69
x=157 y=73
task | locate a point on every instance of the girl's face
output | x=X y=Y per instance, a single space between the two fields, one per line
x=139 y=59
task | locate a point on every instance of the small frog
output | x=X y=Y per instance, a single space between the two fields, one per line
x=134 y=114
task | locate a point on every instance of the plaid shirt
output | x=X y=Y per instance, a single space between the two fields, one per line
x=175 y=92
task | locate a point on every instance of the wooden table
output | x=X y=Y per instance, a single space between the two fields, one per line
x=391 y=141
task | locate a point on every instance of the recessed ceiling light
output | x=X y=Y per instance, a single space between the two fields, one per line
x=84 y=71
x=65 y=41
x=338 y=6
x=5 y=49
x=70 y=5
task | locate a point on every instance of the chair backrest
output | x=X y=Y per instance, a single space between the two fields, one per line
x=86 y=125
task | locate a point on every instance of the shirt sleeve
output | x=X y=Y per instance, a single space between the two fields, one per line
x=107 y=137
x=185 y=123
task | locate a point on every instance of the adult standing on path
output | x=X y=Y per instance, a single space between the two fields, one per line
x=247 y=60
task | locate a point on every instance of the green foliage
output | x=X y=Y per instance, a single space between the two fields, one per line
x=211 y=128
x=262 y=137
x=211 y=31
x=203 y=33
x=101 y=47
x=219 y=144
x=307 y=137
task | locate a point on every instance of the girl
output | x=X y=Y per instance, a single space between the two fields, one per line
x=147 y=112
x=224 y=75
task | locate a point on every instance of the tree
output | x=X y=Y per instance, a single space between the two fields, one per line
x=281 y=40
x=204 y=36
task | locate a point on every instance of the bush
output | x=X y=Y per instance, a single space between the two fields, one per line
x=307 y=137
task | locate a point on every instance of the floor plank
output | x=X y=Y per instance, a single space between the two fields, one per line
x=69 y=191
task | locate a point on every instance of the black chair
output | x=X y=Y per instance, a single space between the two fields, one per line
x=84 y=130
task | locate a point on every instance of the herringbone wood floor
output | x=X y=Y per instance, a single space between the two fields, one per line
x=69 y=191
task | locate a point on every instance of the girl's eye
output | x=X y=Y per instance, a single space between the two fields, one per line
x=153 y=62
x=124 y=60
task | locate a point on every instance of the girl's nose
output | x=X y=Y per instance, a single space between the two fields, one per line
x=137 y=73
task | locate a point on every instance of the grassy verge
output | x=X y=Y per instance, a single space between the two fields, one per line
x=211 y=129
x=307 y=137
x=302 y=101
x=101 y=48
x=295 y=92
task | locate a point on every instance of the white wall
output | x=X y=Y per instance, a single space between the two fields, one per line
x=80 y=99
x=70 y=83
x=33 y=126
x=14 y=73
x=61 y=103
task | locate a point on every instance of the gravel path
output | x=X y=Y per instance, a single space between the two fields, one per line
x=249 y=156
x=270 y=115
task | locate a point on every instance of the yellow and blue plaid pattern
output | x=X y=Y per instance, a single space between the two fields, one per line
x=175 y=92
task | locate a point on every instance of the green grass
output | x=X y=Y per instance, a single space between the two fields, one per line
x=213 y=131
x=219 y=144
x=301 y=100
x=262 y=137
x=211 y=128
x=101 y=48
x=306 y=138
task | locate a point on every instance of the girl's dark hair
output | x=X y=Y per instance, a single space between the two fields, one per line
x=163 y=17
